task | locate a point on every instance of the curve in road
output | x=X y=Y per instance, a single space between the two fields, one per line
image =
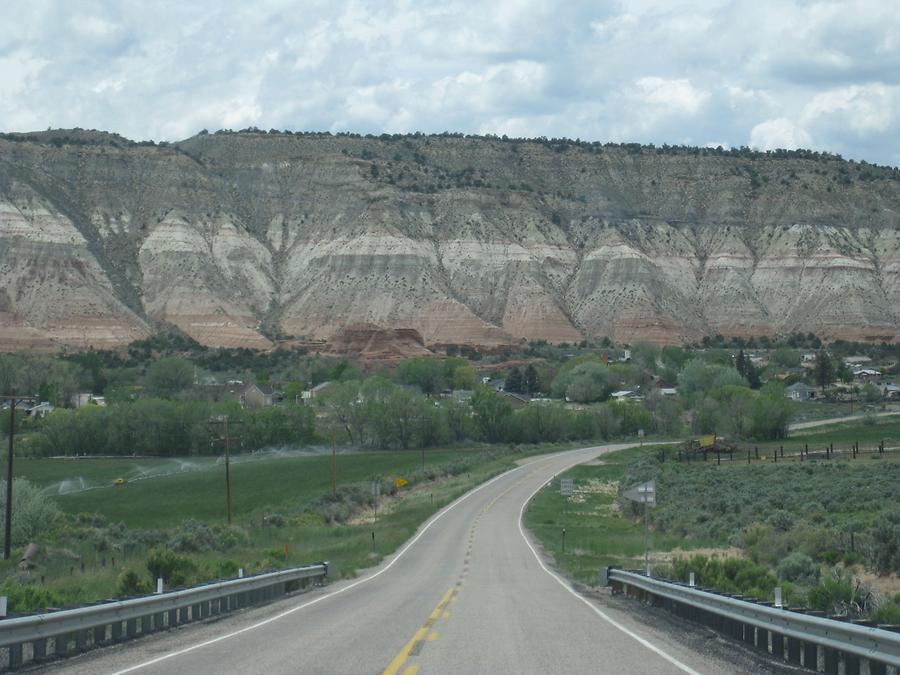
x=469 y=593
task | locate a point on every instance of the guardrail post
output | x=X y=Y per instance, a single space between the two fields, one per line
x=778 y=645
x=15 y=656
x=99 y=635
x=116 y=631
x=831 y=661
x=876 y=668
x=851 y=664
x=81 y=640
x=793 y=650
x=131 y=628
x=61 y=644
x=39 y=649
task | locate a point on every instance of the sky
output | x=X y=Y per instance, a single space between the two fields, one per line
x=817 y=74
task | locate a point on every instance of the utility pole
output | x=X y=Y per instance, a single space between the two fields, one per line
x=7 y=541
x=223 y=419
x=333 y=465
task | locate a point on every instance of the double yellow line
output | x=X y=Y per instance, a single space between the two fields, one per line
x=395 y=665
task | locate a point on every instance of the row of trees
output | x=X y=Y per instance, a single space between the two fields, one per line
x=165 y=428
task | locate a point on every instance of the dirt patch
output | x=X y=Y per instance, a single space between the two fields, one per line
x=886 y=585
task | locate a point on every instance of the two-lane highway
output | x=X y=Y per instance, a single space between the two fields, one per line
x=467 y=594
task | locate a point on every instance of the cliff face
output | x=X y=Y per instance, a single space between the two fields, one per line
x=233 y=237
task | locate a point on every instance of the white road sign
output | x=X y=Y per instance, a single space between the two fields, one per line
x=566 y=486
x=645 y=493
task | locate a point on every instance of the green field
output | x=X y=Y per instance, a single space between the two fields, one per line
x=163 y=492
x=110 y=529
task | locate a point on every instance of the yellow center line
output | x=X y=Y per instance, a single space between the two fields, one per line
x=411 y=670
x=400 y=659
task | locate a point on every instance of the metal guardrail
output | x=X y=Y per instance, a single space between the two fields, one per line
x=769 y=627
x=36 y=637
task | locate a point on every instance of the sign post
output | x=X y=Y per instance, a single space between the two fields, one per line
x=644 y=493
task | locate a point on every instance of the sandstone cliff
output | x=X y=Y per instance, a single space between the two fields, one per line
x=239 y=238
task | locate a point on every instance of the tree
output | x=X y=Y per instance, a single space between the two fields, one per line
x=169 y=376
x=752 y=375
x=786 y=357
x=644 y=354
x=515 y=382
x=426 y=372
x=824 y=370
x=589 y=382
x=531 y=379
x=740 y=363
x=463 y=377
x=492 y=413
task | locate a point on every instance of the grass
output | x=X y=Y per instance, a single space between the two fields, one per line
x=597 y=533
x=841 y=434
x=827 y=510
x=172 y=495
x=84 y=560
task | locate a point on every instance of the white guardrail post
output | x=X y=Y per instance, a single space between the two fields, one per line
x=35 y=637
x=802 y=637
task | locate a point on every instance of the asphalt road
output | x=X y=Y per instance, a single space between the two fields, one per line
x=468 y=594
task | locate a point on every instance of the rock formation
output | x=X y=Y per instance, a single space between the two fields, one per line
x=243 y=238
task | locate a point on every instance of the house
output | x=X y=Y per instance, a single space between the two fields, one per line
x=625 y=395
x=808 y=358
x=668 y=391
x=516 y=400
x=41 y=410
x=83 y=399
x=800 y=391
x=866 y=374
x=493 y=383
x=857 y=360
x=317 y=391
x=257 y=396
x=86 y=398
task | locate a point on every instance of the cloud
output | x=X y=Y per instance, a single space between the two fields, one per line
x=778 y=133
x=772 y=73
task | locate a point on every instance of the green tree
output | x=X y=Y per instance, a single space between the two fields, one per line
x=823 y=369
x=645 y=354
x=740 y=363
x=426 y=372
x=532 y=383
x=464 y=377
x=492 y=413
x=169 y=376
x=786 y=357
x=515 y=382
x=588 y=382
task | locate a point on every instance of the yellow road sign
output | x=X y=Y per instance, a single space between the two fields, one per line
x=400 y=482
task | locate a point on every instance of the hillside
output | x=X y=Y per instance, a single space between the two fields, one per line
x=239 y=238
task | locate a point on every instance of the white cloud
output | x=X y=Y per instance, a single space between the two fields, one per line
x=778 y=133
x=677 y=95
x=770 y=73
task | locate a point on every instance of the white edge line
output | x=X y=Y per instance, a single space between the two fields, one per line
x=562 y=582
x=440 y=514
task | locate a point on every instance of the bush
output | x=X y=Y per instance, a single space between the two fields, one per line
x=28 y=597
x=33 y=516
x=799 y=568
x=194 y=536
x=173 y=569
x=131 y=583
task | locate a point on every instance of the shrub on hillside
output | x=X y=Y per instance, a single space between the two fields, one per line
x=131 y=583
x=799 y=568
x=173 y=569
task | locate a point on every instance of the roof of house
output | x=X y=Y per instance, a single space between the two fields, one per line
x=800 y=386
